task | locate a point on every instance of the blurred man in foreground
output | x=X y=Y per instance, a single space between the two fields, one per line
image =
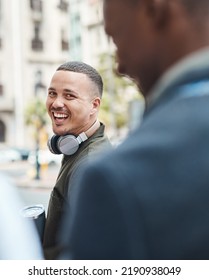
x=149 y=198
x=19 y=238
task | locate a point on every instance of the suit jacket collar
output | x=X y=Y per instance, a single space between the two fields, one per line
x=194 y=66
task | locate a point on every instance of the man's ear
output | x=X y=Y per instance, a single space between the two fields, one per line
x=159 y=11
x=95 y=105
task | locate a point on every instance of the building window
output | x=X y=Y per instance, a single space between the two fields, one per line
x=37 y=43
x=36 y=5
x=64 y=41
x=39 y=87
x=1 y=90
x=65 y=45
x=2 y=132
x=63 y=5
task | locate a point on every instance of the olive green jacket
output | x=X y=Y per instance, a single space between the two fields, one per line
x=88 y=150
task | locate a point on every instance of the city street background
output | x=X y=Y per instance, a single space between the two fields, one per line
x=32 y=191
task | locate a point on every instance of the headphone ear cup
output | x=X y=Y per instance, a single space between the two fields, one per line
x=52 y=144
x=68 y=144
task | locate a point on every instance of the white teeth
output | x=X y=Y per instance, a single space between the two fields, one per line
x=58 y=115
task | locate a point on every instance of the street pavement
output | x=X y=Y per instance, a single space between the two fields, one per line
x=32 y=191
x=23 y=174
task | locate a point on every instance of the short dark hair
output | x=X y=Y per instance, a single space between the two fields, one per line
x=81 y=67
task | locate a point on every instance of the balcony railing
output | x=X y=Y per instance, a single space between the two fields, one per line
x=36 y=5
x=63 y=6
x=37 y=44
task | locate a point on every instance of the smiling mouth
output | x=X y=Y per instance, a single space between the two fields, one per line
x=59 y=117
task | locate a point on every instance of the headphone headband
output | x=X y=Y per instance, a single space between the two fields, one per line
x=92 y=128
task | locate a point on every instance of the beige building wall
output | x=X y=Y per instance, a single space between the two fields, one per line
x=34 y=36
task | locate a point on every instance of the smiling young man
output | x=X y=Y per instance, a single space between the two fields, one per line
x=73 y=102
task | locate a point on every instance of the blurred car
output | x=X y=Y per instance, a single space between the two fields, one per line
x=9 y=155
x=44 y=157
x=24 y=153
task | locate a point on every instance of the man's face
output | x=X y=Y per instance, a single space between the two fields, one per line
x=131 y=29
x=70 y=102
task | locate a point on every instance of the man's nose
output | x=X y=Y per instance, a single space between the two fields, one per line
x=58 y=102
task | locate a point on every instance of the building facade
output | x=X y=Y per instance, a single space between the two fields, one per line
x=89 y=43
x=88 y=40
x=36 y=36
x=34 y=40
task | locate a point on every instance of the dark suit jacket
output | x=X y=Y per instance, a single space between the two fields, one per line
x=71 y=165
x=149 y=199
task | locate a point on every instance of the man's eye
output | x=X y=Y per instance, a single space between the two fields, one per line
x=69 y=96
x=51 y=93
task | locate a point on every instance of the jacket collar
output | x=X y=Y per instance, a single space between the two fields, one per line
x=193 y=66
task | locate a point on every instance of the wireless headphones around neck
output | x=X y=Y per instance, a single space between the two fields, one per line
x=69 y=144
